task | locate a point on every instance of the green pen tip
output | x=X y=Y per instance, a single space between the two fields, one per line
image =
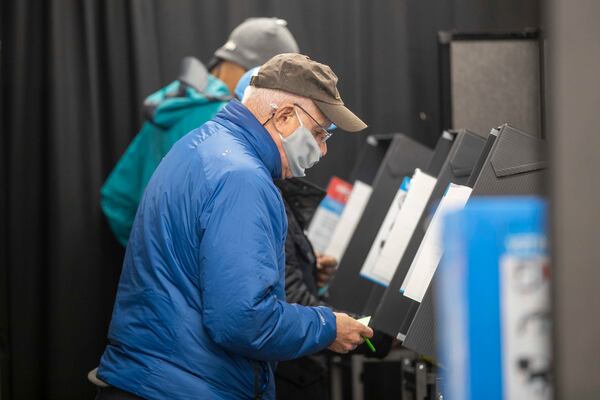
x=370 y=344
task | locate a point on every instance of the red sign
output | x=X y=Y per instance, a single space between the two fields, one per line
x=339 y=190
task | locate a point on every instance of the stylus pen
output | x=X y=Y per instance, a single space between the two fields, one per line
x=368 y=342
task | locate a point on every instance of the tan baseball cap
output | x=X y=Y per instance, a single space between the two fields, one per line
x=298 y=74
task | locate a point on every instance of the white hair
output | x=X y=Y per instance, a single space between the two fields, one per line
x=262 y=100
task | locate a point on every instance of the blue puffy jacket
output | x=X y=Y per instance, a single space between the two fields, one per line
x=200 y=311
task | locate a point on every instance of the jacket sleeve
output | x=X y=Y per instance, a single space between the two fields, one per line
x=120 y=194
x=118 y=209
x=240 y=253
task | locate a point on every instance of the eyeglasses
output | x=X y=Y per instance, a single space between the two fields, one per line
x=322 y=133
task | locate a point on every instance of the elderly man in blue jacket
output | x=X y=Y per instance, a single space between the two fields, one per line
x=200 y=311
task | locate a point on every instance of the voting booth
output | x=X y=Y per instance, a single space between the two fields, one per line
x=516 y=165
x=389 y=238
x=388 y=269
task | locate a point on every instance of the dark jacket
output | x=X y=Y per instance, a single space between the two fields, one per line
x=305 y=377
x=301 y=200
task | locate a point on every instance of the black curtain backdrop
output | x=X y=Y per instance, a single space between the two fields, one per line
x=74 y=74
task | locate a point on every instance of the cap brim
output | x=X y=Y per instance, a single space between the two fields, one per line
x=341 y=116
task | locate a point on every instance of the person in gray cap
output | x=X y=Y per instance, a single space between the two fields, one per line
x=200 y=310
x=183 y=105
x=252 y=43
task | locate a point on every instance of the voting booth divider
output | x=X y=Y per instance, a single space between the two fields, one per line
x=349 y=291
x=395 y=310
x=357 y=289
x=362 y=177
x=392 y=252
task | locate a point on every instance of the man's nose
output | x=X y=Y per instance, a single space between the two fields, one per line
x=323 y=149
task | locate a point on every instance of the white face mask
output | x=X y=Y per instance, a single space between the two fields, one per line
x=301 y=149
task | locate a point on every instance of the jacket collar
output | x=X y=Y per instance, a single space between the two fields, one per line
x=242 y=123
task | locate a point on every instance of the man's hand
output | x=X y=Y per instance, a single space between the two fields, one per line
x=325 y=269
x=350 y=333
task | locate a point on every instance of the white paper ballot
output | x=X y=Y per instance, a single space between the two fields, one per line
x=382 y=270
x=323 y=224
x=365 y=321
x=384 y=230
x=361 y=192
x=431 y=249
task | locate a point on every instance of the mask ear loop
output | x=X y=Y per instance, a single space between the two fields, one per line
x=298 y=116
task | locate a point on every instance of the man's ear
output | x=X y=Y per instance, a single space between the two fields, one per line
x=285 y=119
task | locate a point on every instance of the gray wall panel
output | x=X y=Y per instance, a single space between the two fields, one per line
x=574 y=135
x=493 y=82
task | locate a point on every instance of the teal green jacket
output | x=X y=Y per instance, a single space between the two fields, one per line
x=176 y=111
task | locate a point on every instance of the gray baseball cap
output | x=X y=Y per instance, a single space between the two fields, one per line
x=256 y=40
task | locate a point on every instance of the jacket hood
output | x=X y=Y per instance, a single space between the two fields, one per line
x=168 y=105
